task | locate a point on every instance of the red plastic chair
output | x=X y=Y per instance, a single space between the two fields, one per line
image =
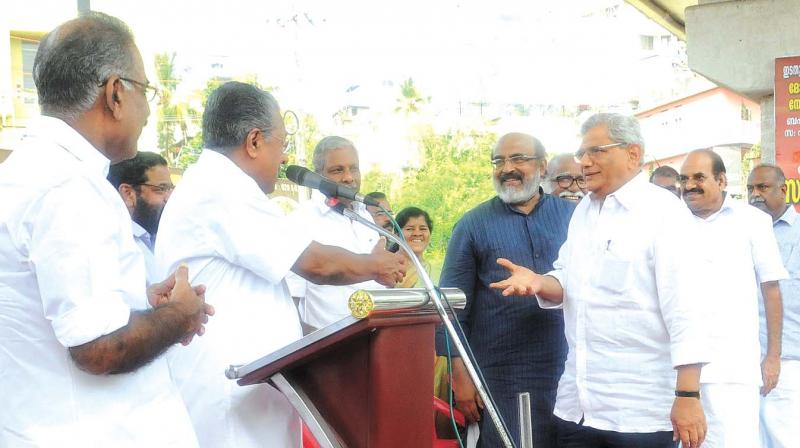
x=444 y=408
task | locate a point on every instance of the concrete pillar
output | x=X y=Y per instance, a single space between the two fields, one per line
x=735 y=43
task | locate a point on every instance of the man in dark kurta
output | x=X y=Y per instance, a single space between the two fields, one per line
x=518 y=346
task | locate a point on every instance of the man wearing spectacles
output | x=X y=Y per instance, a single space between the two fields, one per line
x=520 y=347
x=220 y=222
x=629 y=295
x=81 y=348
x=741 y=257
x=379 y=214
x=564 y=178
x=666 y=177
x=144 y=183
x=780 y=409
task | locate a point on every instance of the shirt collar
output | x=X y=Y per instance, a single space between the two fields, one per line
x=789 y=216
x=542 y=198
x=68 y=138
x=319 y=200
x=138 y=231
x=631 y=192
x=225 y=168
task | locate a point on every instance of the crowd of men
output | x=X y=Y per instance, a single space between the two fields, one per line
x=635 y=313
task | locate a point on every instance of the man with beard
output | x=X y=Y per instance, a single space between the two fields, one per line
x=519 y=347
x=145 y=185
x=564 y=178
x=335 y=158
x=780 y=409
x=379 y=215
x=740 y=256
x=627 y=281
x=666 y=177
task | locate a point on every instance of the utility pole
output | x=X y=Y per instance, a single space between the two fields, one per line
x=84 y=6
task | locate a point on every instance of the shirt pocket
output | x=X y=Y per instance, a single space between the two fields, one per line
x=614 y=275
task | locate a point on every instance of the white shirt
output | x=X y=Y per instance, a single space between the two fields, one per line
x=238 y=244
x=739 y=253
x=145 y=244
x=70 y=273
x=787 y=233
x=322 y=305
x=631 y=311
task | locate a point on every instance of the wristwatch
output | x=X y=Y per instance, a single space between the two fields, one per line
x=687 y=393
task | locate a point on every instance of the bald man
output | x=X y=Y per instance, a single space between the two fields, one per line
x=520 y=347
x=565 y=179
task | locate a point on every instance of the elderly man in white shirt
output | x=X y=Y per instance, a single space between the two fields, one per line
x=144 y=183
x=627 y=284
x=220 y=221
x=335 y=158
x=780 y=408
x=79 y=355
x=740 y=256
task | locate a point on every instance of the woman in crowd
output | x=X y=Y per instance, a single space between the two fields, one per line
x=417 y=226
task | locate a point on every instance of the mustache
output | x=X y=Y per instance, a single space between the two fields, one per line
x=510 y=176
x=694 y=190
x=757 y=201
x=569 y=194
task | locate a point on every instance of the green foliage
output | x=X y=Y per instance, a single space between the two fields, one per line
x=410 y=100
x=454 y=176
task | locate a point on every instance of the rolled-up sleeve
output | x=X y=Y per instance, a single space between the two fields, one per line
x=75 y=254
x=766 y=254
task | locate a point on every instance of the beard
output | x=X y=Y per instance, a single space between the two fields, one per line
x=147 y=215
x=570 y=196
x=516 y=195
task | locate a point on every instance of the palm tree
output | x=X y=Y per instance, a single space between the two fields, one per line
x=410 y=99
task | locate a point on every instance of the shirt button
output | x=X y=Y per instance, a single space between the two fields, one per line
x=536 y=255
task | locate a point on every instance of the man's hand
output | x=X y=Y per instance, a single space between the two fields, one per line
x=770 y=371
x=466 y=395
x=390 y=267
x=158 y=293
x=191 y=302
x=688 y=422
x=523 y=281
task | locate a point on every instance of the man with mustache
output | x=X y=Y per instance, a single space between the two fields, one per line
x=739 y=256
x=564 y=178
x=519 y=347
x=626 y=280
x=144 y=183
x=780 y=409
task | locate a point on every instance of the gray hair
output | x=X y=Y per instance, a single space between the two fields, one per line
x=621 y=128
x=76 y=57
x=326 y=145
x=232 y=111
x=776 y=171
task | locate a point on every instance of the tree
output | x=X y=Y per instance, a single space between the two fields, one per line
x=410 y=99
x=177 y=126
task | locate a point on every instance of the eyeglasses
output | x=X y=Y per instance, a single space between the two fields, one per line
x=150 y=92
x=160 y=189
x=518 y=160
x=285 y=142
x=381 y=213
x=697 y=178
x=565 y=181
x=595 y=152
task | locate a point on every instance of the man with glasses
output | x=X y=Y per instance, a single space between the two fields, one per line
x=144 y=183
x=564 y=178
x=519 y=347
x=220 y=221
x=666 y=177
x=80 y=360
x=740 y=258
x=627 y=281
x=780 y=409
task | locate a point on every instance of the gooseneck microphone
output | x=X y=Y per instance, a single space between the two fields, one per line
x=307 y=178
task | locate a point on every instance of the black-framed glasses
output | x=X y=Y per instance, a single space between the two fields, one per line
x=696 y=178
x=566 y=180
x=517 y=160
x=150 y=92
x=595 y=152
x=161 y=189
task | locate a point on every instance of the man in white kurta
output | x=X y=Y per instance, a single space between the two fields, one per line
x=65 y=281
x=322 y=305
x=241 y=246
x=739 y=256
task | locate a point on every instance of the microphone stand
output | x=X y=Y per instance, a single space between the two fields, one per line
x=433 y=294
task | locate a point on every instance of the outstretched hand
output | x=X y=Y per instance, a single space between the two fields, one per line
x=522 y=282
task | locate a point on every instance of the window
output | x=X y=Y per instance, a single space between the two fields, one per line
x=646 y=42
x=746 y=114
x=29 y=49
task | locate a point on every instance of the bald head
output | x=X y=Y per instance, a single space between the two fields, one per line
x=564 y=178
x=517 y=142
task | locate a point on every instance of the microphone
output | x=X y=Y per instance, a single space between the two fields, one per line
x=307 y=178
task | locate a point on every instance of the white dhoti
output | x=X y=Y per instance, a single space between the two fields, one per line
x=731 y=414
x=780 y=409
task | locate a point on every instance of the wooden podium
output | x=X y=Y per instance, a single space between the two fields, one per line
x=359 y=383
